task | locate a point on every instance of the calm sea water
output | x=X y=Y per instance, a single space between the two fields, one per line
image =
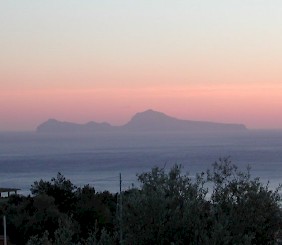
x=98 y=159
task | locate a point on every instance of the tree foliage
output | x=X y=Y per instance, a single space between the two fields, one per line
x=60 y=213
x=221 y=206
x=171 y=208
x=158 y=212
x=244 y=210
x=60 y=188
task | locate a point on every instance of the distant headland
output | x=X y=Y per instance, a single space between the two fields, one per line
x=147 y=121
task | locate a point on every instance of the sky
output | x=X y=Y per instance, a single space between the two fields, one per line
x=106 y=60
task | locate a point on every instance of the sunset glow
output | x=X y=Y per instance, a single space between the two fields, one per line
x=106 y=60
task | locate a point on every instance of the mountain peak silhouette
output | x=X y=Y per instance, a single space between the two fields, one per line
x=149 y=120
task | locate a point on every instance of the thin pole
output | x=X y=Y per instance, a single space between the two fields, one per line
x=5 y=230
x=120 y=208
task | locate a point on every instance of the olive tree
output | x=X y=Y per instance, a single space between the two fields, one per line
x=159 y=212
x=173 y=208
x=244 y=210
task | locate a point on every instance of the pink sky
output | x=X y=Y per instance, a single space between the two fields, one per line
x=25 y=109
x=104 y=61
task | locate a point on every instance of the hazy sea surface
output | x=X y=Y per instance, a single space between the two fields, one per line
x=97 y=159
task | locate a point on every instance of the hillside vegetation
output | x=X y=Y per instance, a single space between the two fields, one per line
x=221 y=206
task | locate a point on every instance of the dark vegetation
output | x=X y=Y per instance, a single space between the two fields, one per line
x=167 y=208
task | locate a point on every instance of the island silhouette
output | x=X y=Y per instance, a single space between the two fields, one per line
x=146 y=121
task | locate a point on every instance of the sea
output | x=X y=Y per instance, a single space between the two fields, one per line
x=99 y=159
